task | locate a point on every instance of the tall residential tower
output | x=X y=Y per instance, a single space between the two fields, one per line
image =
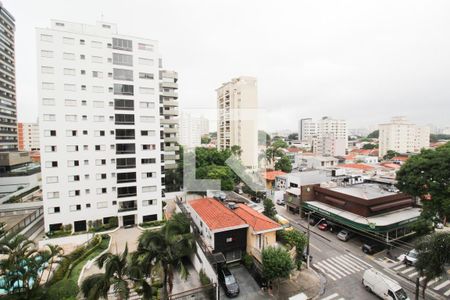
x=99 y=119
x=8 y=108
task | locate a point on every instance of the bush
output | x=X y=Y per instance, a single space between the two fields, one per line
x=204 y=279
x=247 y=260
x=62 y=290
x=153 y=223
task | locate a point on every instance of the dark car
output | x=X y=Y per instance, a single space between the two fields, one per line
x=228 y=282
x=255 y=199
x=371 y=247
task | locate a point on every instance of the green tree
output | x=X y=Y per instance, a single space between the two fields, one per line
x=277 y=264
x=293 y=137
x=272 y=153
x=374 y=134
x=298 y=240
x=433 y=255
x=97 y=286
x=174 y=177
x=236 y=150
x=284 y=164
x=263 y=138
x=426 y=176
x=205 y=139
x=56 y=254
x=269 y=209
x=390 y=154
x=437 y=137
x=279 y=143
x=369 y=146
x=167 y=248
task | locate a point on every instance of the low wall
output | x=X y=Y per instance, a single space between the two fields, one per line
x=199 y=261
x=78 y=239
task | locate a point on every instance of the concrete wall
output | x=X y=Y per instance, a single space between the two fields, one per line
x=78 y=240
x=200 y=261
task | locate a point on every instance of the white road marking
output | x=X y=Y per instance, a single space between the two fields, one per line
x=360 y=260
x=341 y=299
x=399 y=267
x=408 y=270
x=447 y=293
x=349 y=266
x=338 y=263
x=331 y=296
x=352 y=262
x=413 y=274
x=433 y=281
x=330 y=266
x=328 y=270
x=438 y=287
x=323 y=271
x=315 y=247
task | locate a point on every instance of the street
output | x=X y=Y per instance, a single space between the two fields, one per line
x=342 y=264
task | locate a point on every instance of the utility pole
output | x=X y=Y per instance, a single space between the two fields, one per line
x=307 y=246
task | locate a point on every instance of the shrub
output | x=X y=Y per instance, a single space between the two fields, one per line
x=247 y=260
x=62 y=290
x=204 y=279
x=153 y=223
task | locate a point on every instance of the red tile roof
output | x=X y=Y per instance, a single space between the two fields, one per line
x=400 y=158
x=256 y=220
x=270 y=175
x=215 y=214
x=390 y=165
x=357 y=166
x=293 y=149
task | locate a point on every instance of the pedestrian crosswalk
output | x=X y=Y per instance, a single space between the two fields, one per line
x=341 y=266
x=334 y=296
x=440 y=285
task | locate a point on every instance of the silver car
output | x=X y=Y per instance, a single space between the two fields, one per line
x=344 y=235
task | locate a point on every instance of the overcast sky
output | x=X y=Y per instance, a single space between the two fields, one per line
x=363 y=61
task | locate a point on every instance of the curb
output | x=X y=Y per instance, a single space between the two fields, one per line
x=323 y=282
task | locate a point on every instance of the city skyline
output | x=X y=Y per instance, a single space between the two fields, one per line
x=371 y=59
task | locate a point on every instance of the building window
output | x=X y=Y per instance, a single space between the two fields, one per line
x=145 y=47
x=68 y=41
x=96 y=44
x=71 y=133
x=47 y=70
x=148 y=132
x=123 y=104
x=98 y=89
x=147 y=119
x=145 y=61
x=48 y=86
x=70 y=102
x=49 y=117
x=71 y=118
x=47 y=53
x=146 y=175
x=52 y=179
x=82 y=42
x=123 y=89
x=46 y=38
x=54 y=210
x=149 y=147
x=146 y=91
x=122 y=74
x=69 y=72
x=52 y=195
x=97 y=74
x=146 y=75
x=122 y=44
x=122 y=59
x=70 y=87
x=145 y=161
x=50 y=148
x=68 y=56
x=97 y=59
x=143 y=104
x=124 y=119
x=148 y=202
x=48 y=133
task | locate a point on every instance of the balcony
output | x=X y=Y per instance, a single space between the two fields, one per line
x=168 y=84
x=170 y=112
x=171 y=157
x=171 y=148
x=170 y=130
x=126 y=206
x=171 y=94
x=169 y=102
x=172 y=139
x=168 y=121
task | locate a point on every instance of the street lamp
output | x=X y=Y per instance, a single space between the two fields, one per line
x=307 y=246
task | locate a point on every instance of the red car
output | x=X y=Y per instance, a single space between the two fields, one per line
x=323 y=226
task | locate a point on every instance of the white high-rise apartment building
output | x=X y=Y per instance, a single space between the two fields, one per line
x=237 y=102
x=99 y=118
x=191 y=129
x=307 y=129
x=28 y=136
x=402 y=136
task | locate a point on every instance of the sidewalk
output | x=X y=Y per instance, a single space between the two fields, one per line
x=306 y=281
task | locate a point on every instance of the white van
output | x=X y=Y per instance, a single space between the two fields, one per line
x=383 y=286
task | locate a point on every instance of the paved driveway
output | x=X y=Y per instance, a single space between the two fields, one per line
x=249 y=289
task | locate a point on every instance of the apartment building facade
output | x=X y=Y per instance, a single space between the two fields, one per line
x=307 y=129
x=8 y=106
x=237 y=102
x=192 y=129
x=168 y=100
x=28 y=136
x=402 y=136
x=99 y=119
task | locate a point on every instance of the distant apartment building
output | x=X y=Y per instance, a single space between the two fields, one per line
x=237 y=118
x=328 y=136
x=168 y=100
x=192 y=129
x=402 y=136
x=28 y=136
x=100 y=129
x=8 y=106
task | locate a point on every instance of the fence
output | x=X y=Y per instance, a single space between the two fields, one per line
x=27 y=221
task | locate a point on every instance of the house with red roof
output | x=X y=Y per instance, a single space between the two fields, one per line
x=232 y=230
x=269 y=176
x=221 y=229
x=261 y=232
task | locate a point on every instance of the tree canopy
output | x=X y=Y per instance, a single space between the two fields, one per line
x=284 y=164
x=374 y=134
x=390 y=154
x=427 y=175
x=436 y=137
x=293 y=136
x=269 y=209
x=370 y=146
x=277 y=263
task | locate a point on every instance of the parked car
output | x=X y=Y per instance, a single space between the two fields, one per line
x=344 y=235
x=255 y=199
x=280 y=202
x=384 y=287
x=410 y=257
x=323 y=226
x=371 y=247
x=228 y=282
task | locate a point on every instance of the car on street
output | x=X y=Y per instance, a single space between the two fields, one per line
x=410 y=257
x=384 y=287
x=280 y=202
x=228 y=282
x=255 y=199
x=344 y=235
x=371 y=247
x=323 y=226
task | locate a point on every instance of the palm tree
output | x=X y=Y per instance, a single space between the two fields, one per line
x=116 y=273
x=167 y=247
x=56 y=254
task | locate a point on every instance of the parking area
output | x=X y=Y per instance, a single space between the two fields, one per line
x=249 y=289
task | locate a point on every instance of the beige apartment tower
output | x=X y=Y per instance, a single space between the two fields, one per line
x=237 y=103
